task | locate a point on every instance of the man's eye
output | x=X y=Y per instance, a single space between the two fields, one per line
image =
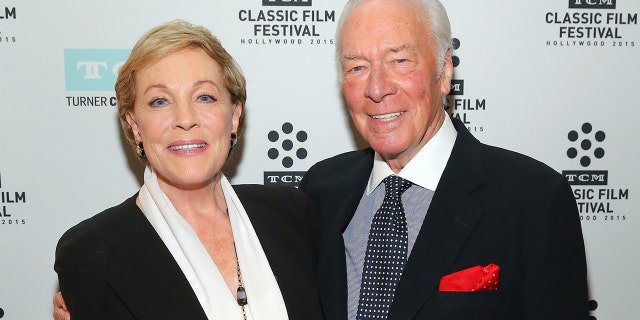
x=401 y=60
x=356 y=69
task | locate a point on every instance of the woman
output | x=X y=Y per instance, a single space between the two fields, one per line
x=188 y=245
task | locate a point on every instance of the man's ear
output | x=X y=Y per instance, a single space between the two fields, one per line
x=447 y=73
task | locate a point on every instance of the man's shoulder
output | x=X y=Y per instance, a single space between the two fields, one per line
x=468 y=151
x=257 y=193
x=338 y=173
x=344 y=161
x=513 y=165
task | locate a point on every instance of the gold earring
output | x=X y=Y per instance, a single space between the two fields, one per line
x=234 y=139
x=140 y=150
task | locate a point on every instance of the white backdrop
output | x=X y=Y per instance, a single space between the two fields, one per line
x=543 y=77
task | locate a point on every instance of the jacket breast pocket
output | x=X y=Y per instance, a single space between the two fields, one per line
x=478 y=299
x=499 y=304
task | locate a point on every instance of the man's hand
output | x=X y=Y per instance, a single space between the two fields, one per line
x=60 y=311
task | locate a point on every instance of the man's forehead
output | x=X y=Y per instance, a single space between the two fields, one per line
x=384 y=32
x=357 y=51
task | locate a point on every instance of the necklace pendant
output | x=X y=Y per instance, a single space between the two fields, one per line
x=242 y=296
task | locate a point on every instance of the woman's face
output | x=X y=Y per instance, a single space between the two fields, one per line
x=184 y=116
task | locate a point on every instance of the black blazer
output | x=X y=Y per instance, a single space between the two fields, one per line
x=491 y=206
x=115 y=266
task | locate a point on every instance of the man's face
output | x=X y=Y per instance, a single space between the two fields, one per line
x=390 y=79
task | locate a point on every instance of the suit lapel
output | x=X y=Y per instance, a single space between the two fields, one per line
x=339 y=206
x=450 y=219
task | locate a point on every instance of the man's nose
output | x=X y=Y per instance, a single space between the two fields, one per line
x=379 y=84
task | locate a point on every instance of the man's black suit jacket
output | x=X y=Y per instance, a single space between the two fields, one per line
x=115 y=266
x=491 y=206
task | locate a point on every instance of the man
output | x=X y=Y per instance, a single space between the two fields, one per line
x=504 y=226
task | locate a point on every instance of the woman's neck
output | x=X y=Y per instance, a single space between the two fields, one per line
x=197 y=202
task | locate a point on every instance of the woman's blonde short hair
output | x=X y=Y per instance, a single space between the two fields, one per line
x=162 y=41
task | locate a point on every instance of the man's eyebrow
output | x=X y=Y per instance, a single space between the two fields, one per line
x=351 y=57
x=404 y=47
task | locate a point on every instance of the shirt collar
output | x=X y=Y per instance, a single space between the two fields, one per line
x=426 y=167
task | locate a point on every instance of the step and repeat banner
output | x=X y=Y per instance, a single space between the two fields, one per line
x=554 y=79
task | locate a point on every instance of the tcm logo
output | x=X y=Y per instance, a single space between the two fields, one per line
x=283 y=178
x=92 y=69
x=306 y=3
x=587 y=177
x=586 y=146
x=9 y=13
x=287 y=145
x=592 y=4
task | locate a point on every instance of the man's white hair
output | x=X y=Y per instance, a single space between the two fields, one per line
x=437 y=25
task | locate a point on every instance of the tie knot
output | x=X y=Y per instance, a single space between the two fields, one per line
x=395 y=186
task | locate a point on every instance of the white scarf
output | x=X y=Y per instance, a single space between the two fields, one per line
x=264 y=298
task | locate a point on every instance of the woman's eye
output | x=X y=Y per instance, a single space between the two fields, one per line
x=155 y=103
x=206 y=98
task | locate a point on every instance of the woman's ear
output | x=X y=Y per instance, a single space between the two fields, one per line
x=131 y=119
x=237 y=113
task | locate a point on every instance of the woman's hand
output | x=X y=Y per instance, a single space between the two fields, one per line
x=60 y=311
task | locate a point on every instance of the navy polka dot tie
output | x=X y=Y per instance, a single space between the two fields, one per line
x=386 y=253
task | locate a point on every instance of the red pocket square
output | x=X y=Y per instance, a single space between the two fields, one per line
x=476 y=278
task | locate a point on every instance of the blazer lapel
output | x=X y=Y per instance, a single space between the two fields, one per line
x=152 y=285
x=450 y=219
x=338 y=208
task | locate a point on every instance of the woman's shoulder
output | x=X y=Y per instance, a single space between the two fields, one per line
x=108 y=221
x=88 y=244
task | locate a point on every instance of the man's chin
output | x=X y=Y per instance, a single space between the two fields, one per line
x=392 y=152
